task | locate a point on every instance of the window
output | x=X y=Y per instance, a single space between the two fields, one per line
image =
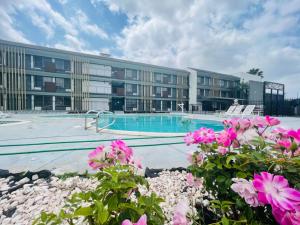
x=0 y=58
x=28 y=61
x=202 y=80
x=59 y=64
x=174 y=81
x=67 y=65
x=67 y=82
x=157 y=77
x=131 y=74
x=1 y=77
x=60 y=84
x=185 y=80
x=118 y=73
x=28 y=82
x=222 y=83
x=37 y=62
x=38 y=81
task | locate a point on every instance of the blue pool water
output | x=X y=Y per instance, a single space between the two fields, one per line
x=157 y=123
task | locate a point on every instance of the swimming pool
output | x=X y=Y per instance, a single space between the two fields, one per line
x=156 y=123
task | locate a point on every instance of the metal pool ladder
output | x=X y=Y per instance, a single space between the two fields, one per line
x=98 y=113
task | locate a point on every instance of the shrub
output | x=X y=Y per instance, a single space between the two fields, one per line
x=229 y=163
x=116 y=200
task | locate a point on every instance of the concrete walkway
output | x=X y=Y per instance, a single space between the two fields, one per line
x=37 y=128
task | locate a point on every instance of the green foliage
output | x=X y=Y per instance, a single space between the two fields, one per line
x=115 y=199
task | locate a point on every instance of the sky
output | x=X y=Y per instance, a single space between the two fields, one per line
x=227 y=36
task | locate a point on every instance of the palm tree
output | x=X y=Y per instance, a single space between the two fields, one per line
x=257 y=72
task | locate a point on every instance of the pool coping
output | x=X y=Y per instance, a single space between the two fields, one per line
x=15 y=123
x=140 y=133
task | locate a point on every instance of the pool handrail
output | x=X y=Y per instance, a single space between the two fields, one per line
x=96 y=118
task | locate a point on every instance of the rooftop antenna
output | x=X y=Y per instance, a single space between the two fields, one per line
x=181 y=106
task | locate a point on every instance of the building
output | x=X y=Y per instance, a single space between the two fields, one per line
x=211 y=91
x=40 y=78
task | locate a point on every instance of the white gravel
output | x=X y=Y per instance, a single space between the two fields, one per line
x=28 y=202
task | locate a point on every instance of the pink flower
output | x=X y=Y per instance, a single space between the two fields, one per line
x=271 y=121
x=285 y=144
x=259 y=122
x=246 y=190
x=286 y=217
x=204 y=135
x=193 y=181
x=240 y=125
x=97 y=157
x=141 y=221
x=275 y=190
x=222 y=150
x=281 y=132
x=226 y=137
x=121 y=151
x=179 y=217
x=189 y=138
x=295 y=134
x=196 y=158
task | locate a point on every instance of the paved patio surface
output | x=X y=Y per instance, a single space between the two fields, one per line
x=37 y=128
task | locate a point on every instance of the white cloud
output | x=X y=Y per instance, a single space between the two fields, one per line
x=228 y=36
x=85 y=25
x=8 y=29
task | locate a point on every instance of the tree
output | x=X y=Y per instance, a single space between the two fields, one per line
x=257 y=72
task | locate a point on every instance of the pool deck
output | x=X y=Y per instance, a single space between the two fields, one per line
x=36 y=128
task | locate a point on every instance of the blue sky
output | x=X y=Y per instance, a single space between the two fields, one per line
x=226 y=36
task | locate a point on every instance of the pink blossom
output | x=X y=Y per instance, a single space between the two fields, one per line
x=196 y=158
x=204 y=135
x=275 y=190
x=121 y=151
x=141 y=221
x=284 y=217
x=259 y=122
x=193 y=181
x=246 y=190
x=240 y=125
x=285 y=144
x=97 y=157
x=271 y=121
x=189 y=138
x=281 y=132
x=295 y=134
x=226 y=137
x=222 y=150
x=179 y=217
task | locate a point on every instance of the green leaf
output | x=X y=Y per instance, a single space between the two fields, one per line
x=210 y=166
x=225 y=221
x=83 y=211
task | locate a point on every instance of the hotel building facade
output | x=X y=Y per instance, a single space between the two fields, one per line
x=39 y=78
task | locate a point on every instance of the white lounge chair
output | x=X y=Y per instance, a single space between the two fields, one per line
x=4 y=115
x=237 y=111
x=228 y=112
x=248 y=111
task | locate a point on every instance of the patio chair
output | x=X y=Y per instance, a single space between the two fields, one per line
x=248 y=111
x=228 y=112
x=4 y=115
x=237 y=111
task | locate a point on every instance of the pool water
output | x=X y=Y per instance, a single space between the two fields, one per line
x=157 y=123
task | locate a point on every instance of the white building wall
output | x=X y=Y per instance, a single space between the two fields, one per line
x=193 y=87
x=98 y=70
x=99 y=103
x=99 y=87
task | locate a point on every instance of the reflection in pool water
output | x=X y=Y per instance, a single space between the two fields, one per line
x=157 y=123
